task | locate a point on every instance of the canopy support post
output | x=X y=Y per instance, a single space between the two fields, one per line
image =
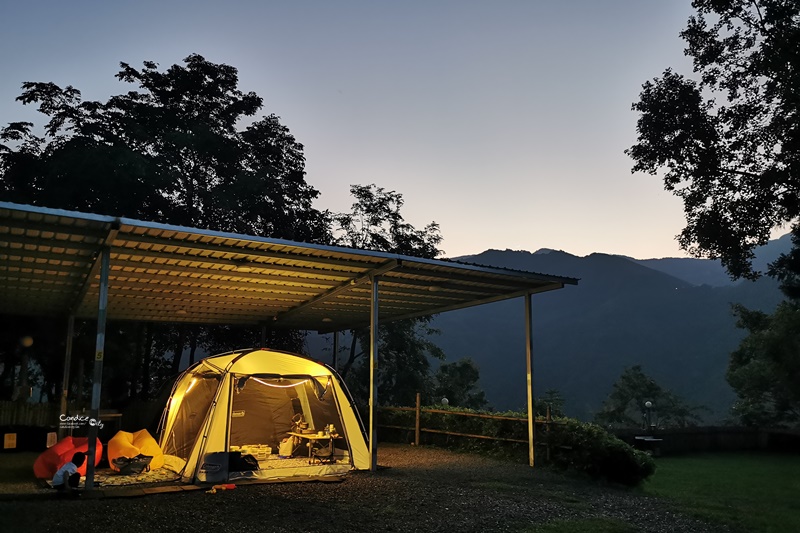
x=529 y=364
x=373 y=377
x=67 y=364
x=263 y=336
x=335 y=359
x=94 y=415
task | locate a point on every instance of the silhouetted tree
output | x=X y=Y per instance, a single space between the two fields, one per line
x=175 y=150
x=458 y=382
x=727 y=139
x=375 y=223
x=765 y=369
x=625 y=405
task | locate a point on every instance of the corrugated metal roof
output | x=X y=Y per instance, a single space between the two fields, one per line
x=49 y=265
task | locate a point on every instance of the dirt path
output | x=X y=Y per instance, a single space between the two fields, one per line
x=418 y=489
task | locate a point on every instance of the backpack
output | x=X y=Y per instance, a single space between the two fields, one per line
x=129 y=466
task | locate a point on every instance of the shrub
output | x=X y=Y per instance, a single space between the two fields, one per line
x=574 y=445
x=590 y=449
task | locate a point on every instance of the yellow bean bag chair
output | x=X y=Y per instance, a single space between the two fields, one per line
x=125 y=444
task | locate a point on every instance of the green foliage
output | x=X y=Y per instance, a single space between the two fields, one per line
x=458 y=382
x=765 y=369
x=173 y=149
x=590 y=449
x=553 y=399
x=574 y=445
x=376 y=223
x=404 y=366
x=749 y=492
x=625 y=406
x=583 y=525
x=728 y=141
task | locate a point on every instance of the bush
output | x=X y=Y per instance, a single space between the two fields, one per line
x=589 y=448
x=574 y=445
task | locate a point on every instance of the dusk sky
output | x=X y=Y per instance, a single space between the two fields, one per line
x=503 y=121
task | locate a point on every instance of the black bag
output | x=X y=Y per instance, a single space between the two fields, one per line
x=241 y=463
x=129 y=466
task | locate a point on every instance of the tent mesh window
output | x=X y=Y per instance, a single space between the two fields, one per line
x=191 y=415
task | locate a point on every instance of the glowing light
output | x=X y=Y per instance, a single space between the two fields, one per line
x=191 y=384
x=280 y=386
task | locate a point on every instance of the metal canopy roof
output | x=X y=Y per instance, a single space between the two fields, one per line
x=49 y=265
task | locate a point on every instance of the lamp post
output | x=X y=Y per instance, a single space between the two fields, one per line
x=648 y=405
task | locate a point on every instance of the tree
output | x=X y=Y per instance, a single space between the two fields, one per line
x=729 y=144
x=728 y=140
x=554 y=400
x=458 y=382
x=173 y=150
x=626 y=405
x=765 y=369
x=375 y=223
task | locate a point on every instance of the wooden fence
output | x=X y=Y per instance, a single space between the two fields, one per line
x=541 y=423
x=29 y=414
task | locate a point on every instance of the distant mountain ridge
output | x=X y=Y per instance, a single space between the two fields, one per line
x=711 y=272
x=671 y=315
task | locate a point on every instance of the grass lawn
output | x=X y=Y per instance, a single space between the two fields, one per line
x=590 y=525
x=749 y=491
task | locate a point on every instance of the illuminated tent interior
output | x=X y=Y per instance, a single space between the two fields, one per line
x=294 y=415
x=78 y=265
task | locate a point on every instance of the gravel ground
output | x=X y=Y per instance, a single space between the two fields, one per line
x=416 y=489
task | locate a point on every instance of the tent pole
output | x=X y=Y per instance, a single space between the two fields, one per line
x=94 y=415
x=529 y=361
x=67 y=363
x=373 y=378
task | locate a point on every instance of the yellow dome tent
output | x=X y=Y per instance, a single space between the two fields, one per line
x=261 y=415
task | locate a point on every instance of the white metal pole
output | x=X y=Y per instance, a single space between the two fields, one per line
x=94 y=415
x=67 y=364
x=373 y=378
x=529 y=362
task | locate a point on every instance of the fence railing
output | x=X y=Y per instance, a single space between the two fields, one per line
x=28 y=414
x=540 y=423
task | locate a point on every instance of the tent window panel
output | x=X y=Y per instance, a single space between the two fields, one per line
x=259 y=415
x=322 y=412
x=192 y=412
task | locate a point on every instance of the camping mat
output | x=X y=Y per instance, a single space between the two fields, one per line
x=110 y=478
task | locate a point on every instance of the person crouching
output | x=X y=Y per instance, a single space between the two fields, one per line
x=68 y=477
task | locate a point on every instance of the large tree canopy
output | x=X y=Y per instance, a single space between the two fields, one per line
x=184 y=146
x=174 y=150
x=376 y=223
x=727 y=138
x=626 y=405
x=765 y=369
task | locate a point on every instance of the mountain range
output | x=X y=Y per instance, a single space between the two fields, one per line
x=672 y=316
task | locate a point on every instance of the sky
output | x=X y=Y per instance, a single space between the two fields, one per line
x=503 y=121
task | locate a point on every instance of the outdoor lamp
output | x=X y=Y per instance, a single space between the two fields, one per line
x=649 y=405
x=445 y=401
